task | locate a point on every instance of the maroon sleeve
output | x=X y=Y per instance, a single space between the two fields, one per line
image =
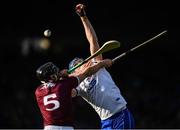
x=74 y=81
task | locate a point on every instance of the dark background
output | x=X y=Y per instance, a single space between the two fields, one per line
x=148 y=77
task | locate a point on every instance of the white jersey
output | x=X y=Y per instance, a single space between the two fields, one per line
x=102 y=94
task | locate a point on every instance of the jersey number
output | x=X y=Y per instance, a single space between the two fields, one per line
x=49 y=99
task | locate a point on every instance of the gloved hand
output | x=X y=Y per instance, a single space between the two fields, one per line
x=63 y=73
x=80 y=10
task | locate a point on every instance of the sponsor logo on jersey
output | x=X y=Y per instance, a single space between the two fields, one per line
x=92 y=84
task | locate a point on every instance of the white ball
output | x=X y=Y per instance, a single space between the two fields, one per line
x=47 y=33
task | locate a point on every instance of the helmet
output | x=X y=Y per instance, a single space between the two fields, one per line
x=74 y=62
x=46 y=70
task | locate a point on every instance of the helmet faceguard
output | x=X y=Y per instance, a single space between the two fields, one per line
x=47 y=71
x=74 y=62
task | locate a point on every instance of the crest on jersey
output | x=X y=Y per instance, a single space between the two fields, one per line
x=91 y=82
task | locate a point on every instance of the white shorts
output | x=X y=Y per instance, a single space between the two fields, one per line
x=53 y=127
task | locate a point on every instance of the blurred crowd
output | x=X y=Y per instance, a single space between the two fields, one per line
x=147 y=80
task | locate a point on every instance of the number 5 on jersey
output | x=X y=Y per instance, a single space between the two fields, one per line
x=50 y=99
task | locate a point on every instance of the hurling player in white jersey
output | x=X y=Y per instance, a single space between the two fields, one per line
x=99 y=90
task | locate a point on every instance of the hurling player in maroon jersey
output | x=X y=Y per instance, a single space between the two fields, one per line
x=54 y=94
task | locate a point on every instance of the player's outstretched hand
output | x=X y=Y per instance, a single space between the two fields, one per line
x=107 y=62
x=80 y=10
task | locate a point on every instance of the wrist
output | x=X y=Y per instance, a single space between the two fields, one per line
x=83 y=17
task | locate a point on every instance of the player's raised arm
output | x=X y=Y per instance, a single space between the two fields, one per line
x=89 y=30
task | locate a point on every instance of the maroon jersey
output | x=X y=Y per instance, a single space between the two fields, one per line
x=55 y=102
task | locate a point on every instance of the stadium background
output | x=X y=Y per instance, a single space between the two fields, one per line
x=148 y=78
